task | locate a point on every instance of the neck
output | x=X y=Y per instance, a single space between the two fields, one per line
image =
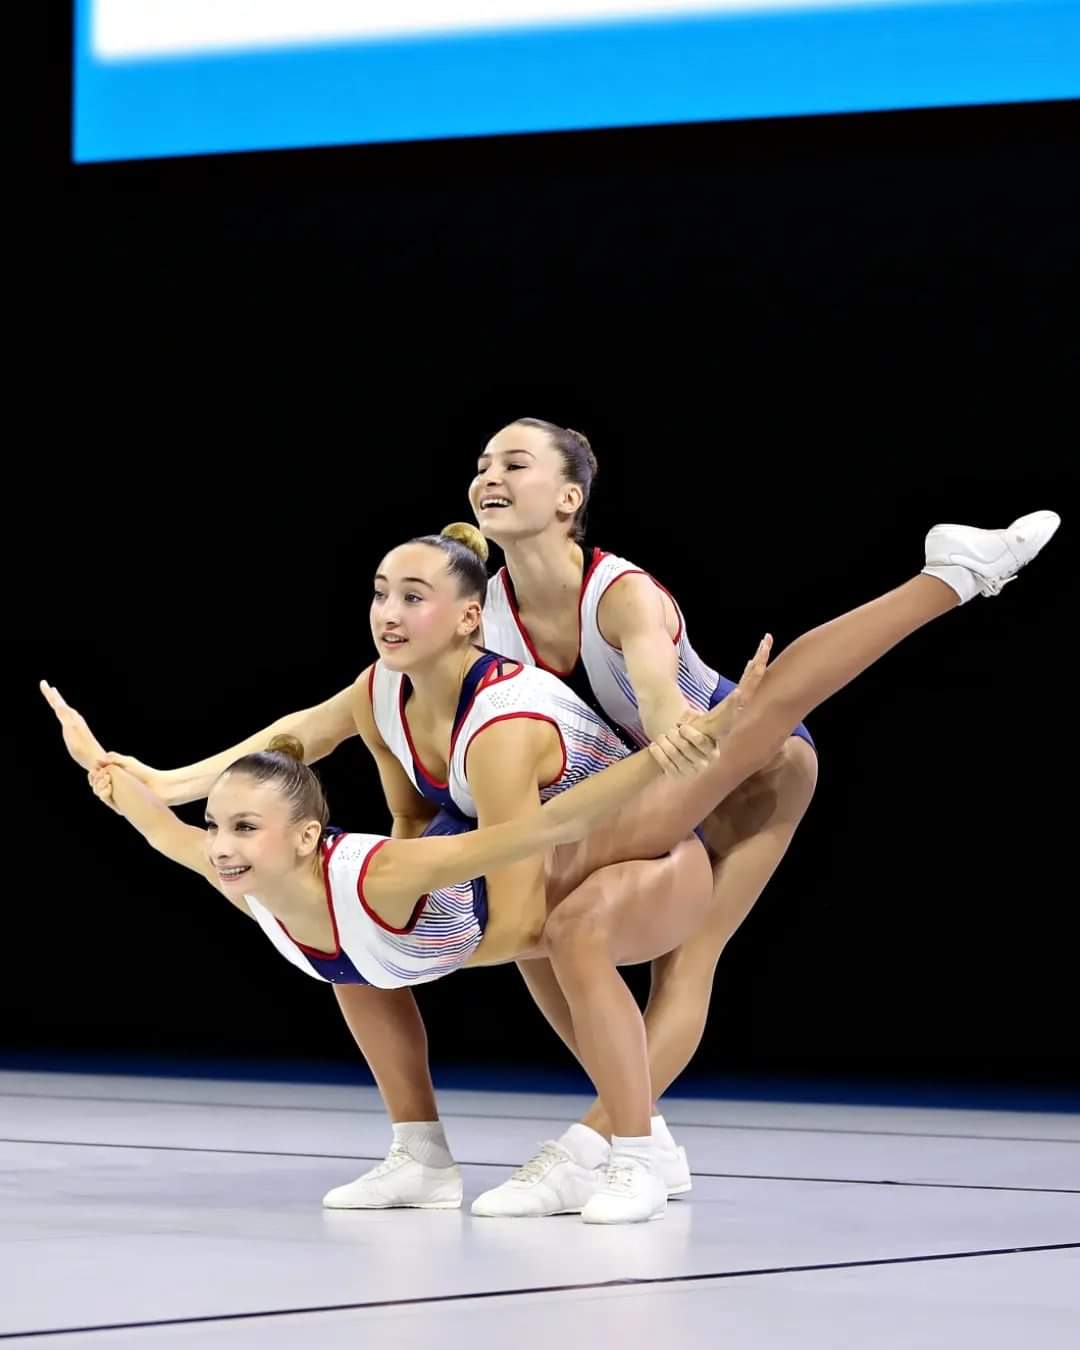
x=545 y=570
x=437 y=684
x=299 y=895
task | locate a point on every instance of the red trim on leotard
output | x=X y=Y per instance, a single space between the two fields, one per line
x=414 y=918
x=508 y=588
x=492 y=677
x=328 y=853
x=509 y=717
x=640 y=572
x=412 y=748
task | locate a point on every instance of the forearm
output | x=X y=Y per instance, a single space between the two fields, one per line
x=397 y=875
x=565 y=818
x=653 y=666
x=661 y=705
x=194 y=781
x=140 y=807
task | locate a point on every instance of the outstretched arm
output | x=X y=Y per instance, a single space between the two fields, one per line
x=82 y=745
x=162 y=830
x=160 y=827
x=321 y=728
x=120 y=790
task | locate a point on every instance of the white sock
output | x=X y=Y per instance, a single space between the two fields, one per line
x=641 y=1148
x=585 y=1146
x=957 y=578
x=425 y=1141
x=662 y=1135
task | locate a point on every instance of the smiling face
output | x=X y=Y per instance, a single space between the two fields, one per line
x=418 y=609
x=521 y=488
x=252 y=840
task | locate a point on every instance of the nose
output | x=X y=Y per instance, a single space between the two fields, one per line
x=221 y=849
x=388 y=614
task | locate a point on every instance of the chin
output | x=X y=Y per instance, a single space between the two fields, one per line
x=400 y=659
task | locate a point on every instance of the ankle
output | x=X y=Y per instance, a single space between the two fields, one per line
x=641 y=1148
x=425 y=1141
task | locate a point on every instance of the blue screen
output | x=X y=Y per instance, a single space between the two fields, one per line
x=182 y=77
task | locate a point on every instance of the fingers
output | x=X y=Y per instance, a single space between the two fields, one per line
x=684 y=751
x=52 y=697
x=56 y=701
x=754 y=672
x=666 y=756
x=101 y=782
x=699 y=745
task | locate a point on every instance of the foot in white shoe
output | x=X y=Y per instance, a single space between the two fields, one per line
x=552 y=1182
x=633 y=1192
x=981 y=562
x=671 y=1160
x=400 y=1182
x=674 y=1170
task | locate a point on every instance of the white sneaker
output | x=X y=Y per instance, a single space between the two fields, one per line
x=633 y=1192
x=674 y=1170
x=549 y=1183
x=990 y=559
x=400 y=1182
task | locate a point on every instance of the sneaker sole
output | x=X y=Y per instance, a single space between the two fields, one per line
x=405 y=1204
x=684 y=1189
x=547 y=1214
x=619 y=1223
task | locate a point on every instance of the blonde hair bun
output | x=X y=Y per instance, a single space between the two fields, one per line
x=468 y=535
x=287 y=745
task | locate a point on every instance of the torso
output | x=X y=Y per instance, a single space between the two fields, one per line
x=434 y=756
x=574 y=644
x=349 y=943
x=494 y=690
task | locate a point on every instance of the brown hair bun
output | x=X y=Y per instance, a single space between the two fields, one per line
x=468 y=535
x=287 y=745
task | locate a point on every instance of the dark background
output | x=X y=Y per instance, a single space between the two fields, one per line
x=795 y=345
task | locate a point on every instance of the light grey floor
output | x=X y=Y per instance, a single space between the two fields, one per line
x=193 y=1205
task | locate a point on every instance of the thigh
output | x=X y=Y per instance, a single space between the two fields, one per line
x=771 y=801
x=639 y=909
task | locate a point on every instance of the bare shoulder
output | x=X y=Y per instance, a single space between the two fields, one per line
x=362 y=710
x=511 y=749
x=633 y=604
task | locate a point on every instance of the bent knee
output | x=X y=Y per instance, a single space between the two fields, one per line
x=797 y=772
x=573 y=928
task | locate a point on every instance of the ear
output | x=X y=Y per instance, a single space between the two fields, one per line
x=310 y=834
x=571 y=498
x=470 y=619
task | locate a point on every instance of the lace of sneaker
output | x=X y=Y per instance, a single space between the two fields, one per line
x=397 y=1156
x=992 y=585
x=550 y=1155
x=619 y=1175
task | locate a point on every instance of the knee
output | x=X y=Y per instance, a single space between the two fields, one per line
x=796 y=775
x=575 y=933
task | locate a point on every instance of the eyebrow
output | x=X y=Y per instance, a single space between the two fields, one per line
x=379 y=576
x=239 y=815
x=485 y=454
